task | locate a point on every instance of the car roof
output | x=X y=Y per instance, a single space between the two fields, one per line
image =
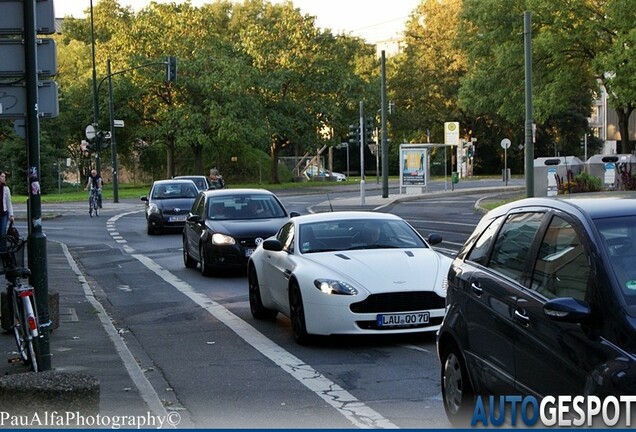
x=343 y=215
x=173 y=181
x=189 y=177
x=595 y=205
x=237 y=191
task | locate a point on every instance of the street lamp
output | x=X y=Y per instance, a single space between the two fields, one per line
x=97 y=139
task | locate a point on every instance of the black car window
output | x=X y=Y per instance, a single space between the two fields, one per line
x=513 y=244
x=286 y=236
x=479 y=252
x=619 y=242
x=198 y=206
x=562 y=267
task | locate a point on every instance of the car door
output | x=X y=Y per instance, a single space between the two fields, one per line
x=277 y=267
x=561 y=353
x=493 y=292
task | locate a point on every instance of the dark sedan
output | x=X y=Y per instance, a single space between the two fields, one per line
x=168 y=203
x=541 y=302
x=226 y=225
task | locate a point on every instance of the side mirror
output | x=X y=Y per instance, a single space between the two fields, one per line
x=293 y=214
x=434 y=238
x=273 y=245
x=143 y=198
x=193 y=218
x=567 y=309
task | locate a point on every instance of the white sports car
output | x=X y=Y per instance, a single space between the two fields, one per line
x=349 y=273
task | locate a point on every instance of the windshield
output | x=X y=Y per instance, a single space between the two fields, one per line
x=241 y=207
x=174 y=191
x=619 y=240
x=354 y=234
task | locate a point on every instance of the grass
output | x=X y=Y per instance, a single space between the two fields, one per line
x=489 y=205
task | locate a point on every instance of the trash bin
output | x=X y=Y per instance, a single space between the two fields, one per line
x=605 y=167
x=547 y=169
x=455 y=177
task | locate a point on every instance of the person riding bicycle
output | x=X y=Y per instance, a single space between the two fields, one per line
x=94 y=183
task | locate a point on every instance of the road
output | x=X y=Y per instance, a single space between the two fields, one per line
x=205 y=355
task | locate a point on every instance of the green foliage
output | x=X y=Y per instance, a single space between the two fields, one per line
x=582 y=182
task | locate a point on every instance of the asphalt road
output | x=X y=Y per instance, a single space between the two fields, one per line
x=205 y=355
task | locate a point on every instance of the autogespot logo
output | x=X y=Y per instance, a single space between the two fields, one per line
x=562 y=411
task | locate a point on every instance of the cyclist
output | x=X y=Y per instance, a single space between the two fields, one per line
x=216 y=180
x=94 y=183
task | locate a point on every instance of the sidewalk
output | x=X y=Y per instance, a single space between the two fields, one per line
x=84 y=342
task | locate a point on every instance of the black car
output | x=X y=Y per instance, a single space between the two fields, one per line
x=542 y=301
x=168 y=203
x=226 y=225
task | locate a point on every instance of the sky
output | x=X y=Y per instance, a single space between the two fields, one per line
x=373 y=20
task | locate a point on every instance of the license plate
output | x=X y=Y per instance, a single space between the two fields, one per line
x=181 y=218
x=249 y=252
x=402 y=319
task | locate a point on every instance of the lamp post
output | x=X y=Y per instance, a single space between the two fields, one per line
x=97 y=142
x=113 y=145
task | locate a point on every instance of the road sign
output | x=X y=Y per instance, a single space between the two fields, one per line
x=13 y=100
x=90 y=132
x=451 y=133
x=12 y=58
x=12 y=17
x=118 y=123
x=505 y=143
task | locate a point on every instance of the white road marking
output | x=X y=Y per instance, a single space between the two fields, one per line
x=146 y=390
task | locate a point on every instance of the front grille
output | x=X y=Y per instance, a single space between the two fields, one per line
x=399 y=302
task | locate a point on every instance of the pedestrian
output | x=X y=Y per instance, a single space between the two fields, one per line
x=6 y=207
x=95 y=182
x=216 y=181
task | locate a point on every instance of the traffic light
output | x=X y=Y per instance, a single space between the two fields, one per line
x=471 y=150
x=368 y=130
x=171 y=69
x=354 y=134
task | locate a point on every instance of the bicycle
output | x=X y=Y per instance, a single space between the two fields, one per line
x=21 y=296
x=93 y=203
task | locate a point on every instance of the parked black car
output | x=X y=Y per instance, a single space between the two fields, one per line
x=542 y=301
x=226 y=225
x=168 y=203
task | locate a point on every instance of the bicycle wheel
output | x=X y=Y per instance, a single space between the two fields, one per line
x=19 y=330
x=32 y=342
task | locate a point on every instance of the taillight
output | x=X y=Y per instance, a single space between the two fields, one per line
x=32 y=324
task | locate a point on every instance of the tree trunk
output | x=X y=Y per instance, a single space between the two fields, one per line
x=623 y=127
x=170 y=157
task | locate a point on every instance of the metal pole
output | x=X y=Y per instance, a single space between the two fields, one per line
x=506 y=165
x=113 y=145
x=36 y=238
x=529 y=146
x=362 y=143
x=98 y=141
x=384 y=144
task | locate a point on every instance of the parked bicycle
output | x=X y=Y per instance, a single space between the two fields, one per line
x=93 y=202
x=21 y=297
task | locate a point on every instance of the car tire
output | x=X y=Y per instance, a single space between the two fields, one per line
x=188 y=261
x=297 y=314
x=457 y=393
x=259 y=311
x=205 y=268
x=150 y=230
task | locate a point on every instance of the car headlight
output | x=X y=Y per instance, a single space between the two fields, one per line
x=331 y=286
x=153 y=209
x=222 y=239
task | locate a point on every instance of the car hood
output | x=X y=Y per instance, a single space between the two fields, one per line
x=247 y=227
x=181 y=203
x=397 y=269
